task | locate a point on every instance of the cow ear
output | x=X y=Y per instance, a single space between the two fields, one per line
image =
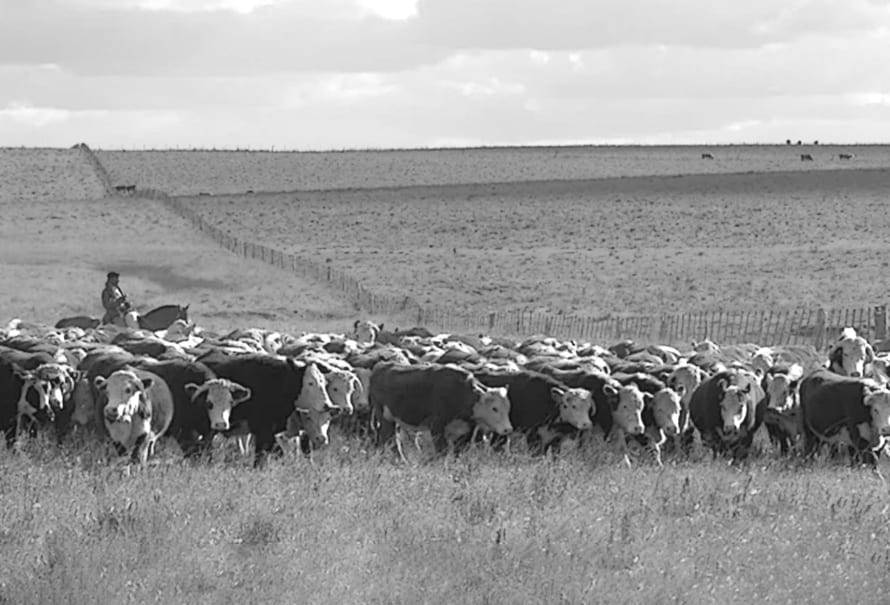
x=747 y=389
x=836 y=355
x=722 y=384
x=869 y=353
x=191 y=389
x=380 y=328
x=100 y=383
x=240 y=393
x=147 y=382
x=557 y=393
x=355 y=325
x=647 y=398
x=608 y=389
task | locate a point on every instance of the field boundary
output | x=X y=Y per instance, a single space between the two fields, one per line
x=98 y=168
x=796 y=326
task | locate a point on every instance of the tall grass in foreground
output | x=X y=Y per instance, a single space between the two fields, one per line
x=354 y=527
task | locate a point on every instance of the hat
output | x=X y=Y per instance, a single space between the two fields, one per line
x=113 y=274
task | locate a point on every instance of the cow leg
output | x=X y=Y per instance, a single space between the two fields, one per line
x=264 y=443
x=9 y=432
x=140 y=449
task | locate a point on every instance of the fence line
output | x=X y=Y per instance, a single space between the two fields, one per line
x=798 y=326
x=98 y=168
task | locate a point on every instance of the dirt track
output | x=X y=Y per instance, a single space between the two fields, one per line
x=636 y=245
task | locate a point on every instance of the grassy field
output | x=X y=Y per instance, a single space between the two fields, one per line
x=215 y=172
x=354 y=527
x=54 y=257
x=636 y=245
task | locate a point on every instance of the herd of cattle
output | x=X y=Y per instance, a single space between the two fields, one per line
x=131 y=387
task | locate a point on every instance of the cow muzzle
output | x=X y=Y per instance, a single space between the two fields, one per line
x=221 y=425
x=671 y=431
x=113 y=415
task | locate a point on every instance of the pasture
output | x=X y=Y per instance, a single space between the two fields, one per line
x=232 y=172
x=352 y=524
x=634 y=246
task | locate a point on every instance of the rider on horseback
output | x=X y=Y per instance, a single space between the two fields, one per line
x=113 y=299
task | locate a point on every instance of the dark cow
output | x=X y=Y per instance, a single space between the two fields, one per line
x=446 y=400
x=278 y=387
x=84 y=322
x=542 y=408
x=660 y=414
x=603 y=388
x=202 y=403
x=806 y=157
x=846 y=156
x=707 y=156
x=726 y=411
x=842 y=410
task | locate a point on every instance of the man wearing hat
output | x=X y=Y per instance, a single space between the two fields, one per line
x=113 y=299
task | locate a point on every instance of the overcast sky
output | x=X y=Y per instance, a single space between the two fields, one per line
x=322 y=74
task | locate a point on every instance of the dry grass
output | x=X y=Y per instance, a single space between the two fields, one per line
x=54 y=256
x=642 y=245
x=355 y=527
x=47 y=174
x=191 y=172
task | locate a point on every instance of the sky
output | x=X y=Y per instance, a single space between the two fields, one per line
x=338 y=74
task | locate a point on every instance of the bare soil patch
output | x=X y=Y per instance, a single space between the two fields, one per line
x=638 y=245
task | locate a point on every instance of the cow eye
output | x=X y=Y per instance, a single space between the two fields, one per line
x=209 y=405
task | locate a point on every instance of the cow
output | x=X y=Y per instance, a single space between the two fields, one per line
x=202 y=403
x=627 y=414
x=707 y=156
x=366 y=331
x=846 y=409
x=661 y=417
x=726 y=410
x=446 y=400
x=849 y=355
x=137 y=412
x=541 y=407
x=806 y=157
x=685 y=379
x=308 y=429
x=278 y=386
x=781 y=417
x=22 y=402
x=846 y=156
x=83 y=322
x=603 y=390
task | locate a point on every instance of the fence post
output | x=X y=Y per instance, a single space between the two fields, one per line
x=880 y=322
x=820 y=329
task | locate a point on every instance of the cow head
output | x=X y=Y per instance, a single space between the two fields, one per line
x=685 y=379
x=341 y=384
x=32 y=402
x=313 y=424
x=705 y=346
x=366 y=331
x=781 y=388
x=220 y=397
x=272 y=342
x=55 y=383
x=666 y=411
x=628 y=410
x=762 y=361
x=491 y=409
x=313 y=392
x=125 y=395
x=849 y=354
x=734 y=406
x=878 y=402
x=575 y=406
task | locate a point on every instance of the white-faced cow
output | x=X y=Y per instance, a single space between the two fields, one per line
x=137 y=412
x=849 y=355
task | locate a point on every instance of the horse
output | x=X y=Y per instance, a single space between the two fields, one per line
x=162 y=317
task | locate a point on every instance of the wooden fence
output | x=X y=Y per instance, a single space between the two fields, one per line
x=811 y=326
